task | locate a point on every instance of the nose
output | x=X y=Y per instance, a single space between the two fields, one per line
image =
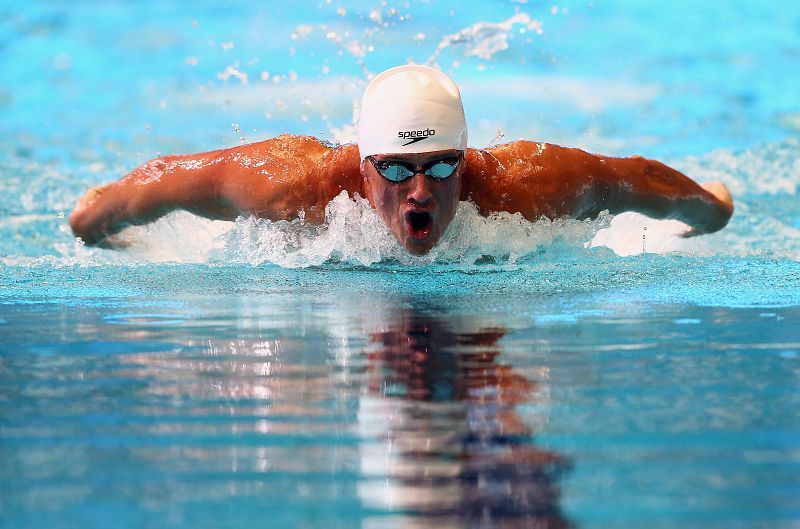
x=420 y=192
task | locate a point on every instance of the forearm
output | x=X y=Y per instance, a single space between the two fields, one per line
x=147 y=193
x=658 y=191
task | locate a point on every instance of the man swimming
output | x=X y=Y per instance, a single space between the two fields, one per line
x=413 y=166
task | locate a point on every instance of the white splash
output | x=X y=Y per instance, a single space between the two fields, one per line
x=485 y=39
x=770 y=169
x=353 y=233
x=233 y=71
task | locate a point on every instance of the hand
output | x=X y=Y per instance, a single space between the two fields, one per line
x=720 y=191
x=83 y=218
x=88 y=198
x=723 y=195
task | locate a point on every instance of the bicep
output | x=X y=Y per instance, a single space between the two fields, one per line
x=538 y=179
x=190 y=182
x=572 y=182
x=278 y=178
x=273 y=179
x=659 y=191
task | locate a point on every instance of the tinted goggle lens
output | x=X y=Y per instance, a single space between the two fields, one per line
x=442 y=168
x=394 y=171
x=399 y=171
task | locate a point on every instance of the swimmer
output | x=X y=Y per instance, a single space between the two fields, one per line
x=411 y=163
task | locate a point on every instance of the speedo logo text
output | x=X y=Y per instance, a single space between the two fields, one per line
x=415 y=135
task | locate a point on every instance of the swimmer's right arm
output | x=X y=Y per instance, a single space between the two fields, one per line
x=162 y=185
x=273 y=179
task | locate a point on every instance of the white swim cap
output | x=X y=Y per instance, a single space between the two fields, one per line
x=411 y=109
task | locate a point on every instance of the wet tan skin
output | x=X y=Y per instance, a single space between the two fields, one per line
x=278 y=178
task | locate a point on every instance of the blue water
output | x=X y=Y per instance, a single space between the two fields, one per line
x=250 y=374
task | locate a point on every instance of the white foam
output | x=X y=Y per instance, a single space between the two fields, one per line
x=769 y=169
x=352 y=233
x=632 y=234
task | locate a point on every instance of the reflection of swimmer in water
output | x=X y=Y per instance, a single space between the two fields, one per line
x=442 y=441
x=412 y=164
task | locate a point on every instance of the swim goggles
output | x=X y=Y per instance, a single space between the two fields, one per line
x=395 y=171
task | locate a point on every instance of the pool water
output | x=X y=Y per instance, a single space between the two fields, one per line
x=603 y=373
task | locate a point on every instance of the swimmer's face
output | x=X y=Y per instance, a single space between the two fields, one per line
x=418 y=209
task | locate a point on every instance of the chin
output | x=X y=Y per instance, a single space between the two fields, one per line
x=416 y=250
x=416 y=247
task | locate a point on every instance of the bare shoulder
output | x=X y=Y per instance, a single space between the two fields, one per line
x=533 y=178
x=286 y=145
x=287 y=156
x=339 y=170
x=279 y=177
x=519 y=149
x=511 y=161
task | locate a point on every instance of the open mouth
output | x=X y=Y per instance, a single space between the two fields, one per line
x=419 y=224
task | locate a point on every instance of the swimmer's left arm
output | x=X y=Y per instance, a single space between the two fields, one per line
x=661 y=192
x=538 y=179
